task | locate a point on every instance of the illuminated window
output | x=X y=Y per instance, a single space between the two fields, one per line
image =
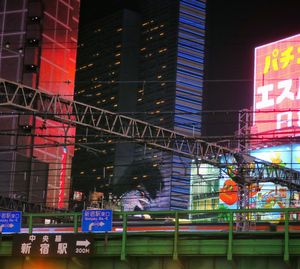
x=119 y=29
x=112 y=98
x=162 y=34
x=98 y=177
x=115 y=105
x=94 y=170
x=162 y=50
x=117 y=63
x=159 y=76
x=142 y=49
x=117 y=54
x=82 y=173
x=98 y=93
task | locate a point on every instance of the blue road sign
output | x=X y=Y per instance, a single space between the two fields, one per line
x=96 y=220
x=10 y=221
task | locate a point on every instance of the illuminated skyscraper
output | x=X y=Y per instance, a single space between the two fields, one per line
x=38 y=42
x=146 y=63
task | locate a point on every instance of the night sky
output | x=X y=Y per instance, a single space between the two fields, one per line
x=234 y=28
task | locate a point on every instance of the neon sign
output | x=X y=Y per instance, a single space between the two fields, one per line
x=62 y=179
x=277 y=89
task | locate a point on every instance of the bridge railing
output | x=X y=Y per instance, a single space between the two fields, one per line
x=224 y=223
x=172 y=221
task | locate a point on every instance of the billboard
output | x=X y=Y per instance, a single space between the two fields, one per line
x=272 y=195
x=265 y=194
x=277 y=89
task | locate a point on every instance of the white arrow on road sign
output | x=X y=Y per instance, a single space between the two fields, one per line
x=95 y=224
x=10 y=225
x=84 y=243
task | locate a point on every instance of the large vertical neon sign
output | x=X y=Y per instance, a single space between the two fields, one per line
x=277 y=88
x=62 y=178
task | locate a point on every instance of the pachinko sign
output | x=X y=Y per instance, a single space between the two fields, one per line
x=277 y=89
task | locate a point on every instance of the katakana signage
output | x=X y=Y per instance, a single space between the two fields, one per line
x=52 y=245
x=277 y=89
x=96 y=220
x=10 y=221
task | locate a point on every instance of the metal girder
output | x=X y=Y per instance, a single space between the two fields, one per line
x=243 y=168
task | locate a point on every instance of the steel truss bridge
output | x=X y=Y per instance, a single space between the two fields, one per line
x=242 y=168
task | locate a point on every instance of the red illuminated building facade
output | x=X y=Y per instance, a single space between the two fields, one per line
x=38 y=44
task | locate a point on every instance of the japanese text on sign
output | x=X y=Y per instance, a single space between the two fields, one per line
x=281 y=59
x=277 y=89
x=96 y=220
x=10 y=221
x=50 y=245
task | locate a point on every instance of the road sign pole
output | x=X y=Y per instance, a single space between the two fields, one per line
x=30 y=224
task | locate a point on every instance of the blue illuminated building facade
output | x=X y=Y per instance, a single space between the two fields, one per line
x=157 y=77
x=189 y=88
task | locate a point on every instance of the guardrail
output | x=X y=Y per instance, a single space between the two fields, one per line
x=223 y=222
x=180 y=218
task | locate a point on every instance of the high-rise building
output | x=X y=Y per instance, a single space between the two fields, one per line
x=147 y=64
x=38 y=45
